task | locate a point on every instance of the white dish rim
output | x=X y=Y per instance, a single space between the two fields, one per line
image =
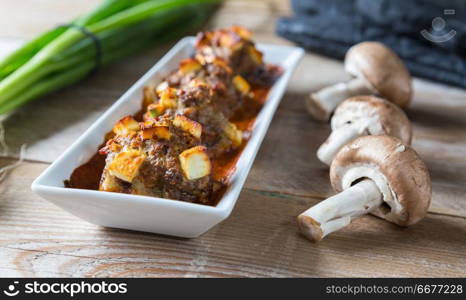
x=223 y=207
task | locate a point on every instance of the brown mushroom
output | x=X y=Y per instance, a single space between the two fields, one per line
x=373 y=174
x=364 y=115
x=376 y=70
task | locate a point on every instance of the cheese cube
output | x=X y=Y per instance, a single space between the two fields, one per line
x=149 y=95
x=241 y=84
x=188 y=125
x=230 y=41
x=156 y=110
x=189 y=65
x=161 y=87
x=168 y=98
x=221 y=63
x=126 y=164
x=160 y=132
x=242 y=32
x=195 y=163
x=233 y=133
x=125 y=126
x=109 y=183
x=197 y=82
x=255 y=54
x=207 y=56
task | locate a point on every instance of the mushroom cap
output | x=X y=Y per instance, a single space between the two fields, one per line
x=378 y=115
x=383 y=70
x=401 y=176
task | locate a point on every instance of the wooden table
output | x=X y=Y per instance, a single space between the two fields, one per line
x=260 y=238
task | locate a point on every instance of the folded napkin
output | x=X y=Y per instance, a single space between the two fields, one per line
x=430 y=36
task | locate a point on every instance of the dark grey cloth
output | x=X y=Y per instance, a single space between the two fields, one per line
x=330 y=27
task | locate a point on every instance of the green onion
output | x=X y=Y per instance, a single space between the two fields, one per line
x=64 y=56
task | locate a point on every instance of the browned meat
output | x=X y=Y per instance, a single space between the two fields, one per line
x=186 y=122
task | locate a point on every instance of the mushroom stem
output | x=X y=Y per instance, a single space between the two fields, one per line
x=337 y=139
x=338 y=211
x=322 y=103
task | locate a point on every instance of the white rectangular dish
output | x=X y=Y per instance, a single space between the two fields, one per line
x=143 y=213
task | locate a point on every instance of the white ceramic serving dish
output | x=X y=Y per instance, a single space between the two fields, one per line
x=143 y=213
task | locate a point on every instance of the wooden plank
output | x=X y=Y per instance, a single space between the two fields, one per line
x=260 y=239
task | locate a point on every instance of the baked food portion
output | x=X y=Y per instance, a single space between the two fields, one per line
x=190 y=122
x=162 y=159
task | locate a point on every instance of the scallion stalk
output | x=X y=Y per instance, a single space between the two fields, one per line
x=63 y=56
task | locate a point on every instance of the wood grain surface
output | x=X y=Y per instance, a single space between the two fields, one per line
x=260 y=239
